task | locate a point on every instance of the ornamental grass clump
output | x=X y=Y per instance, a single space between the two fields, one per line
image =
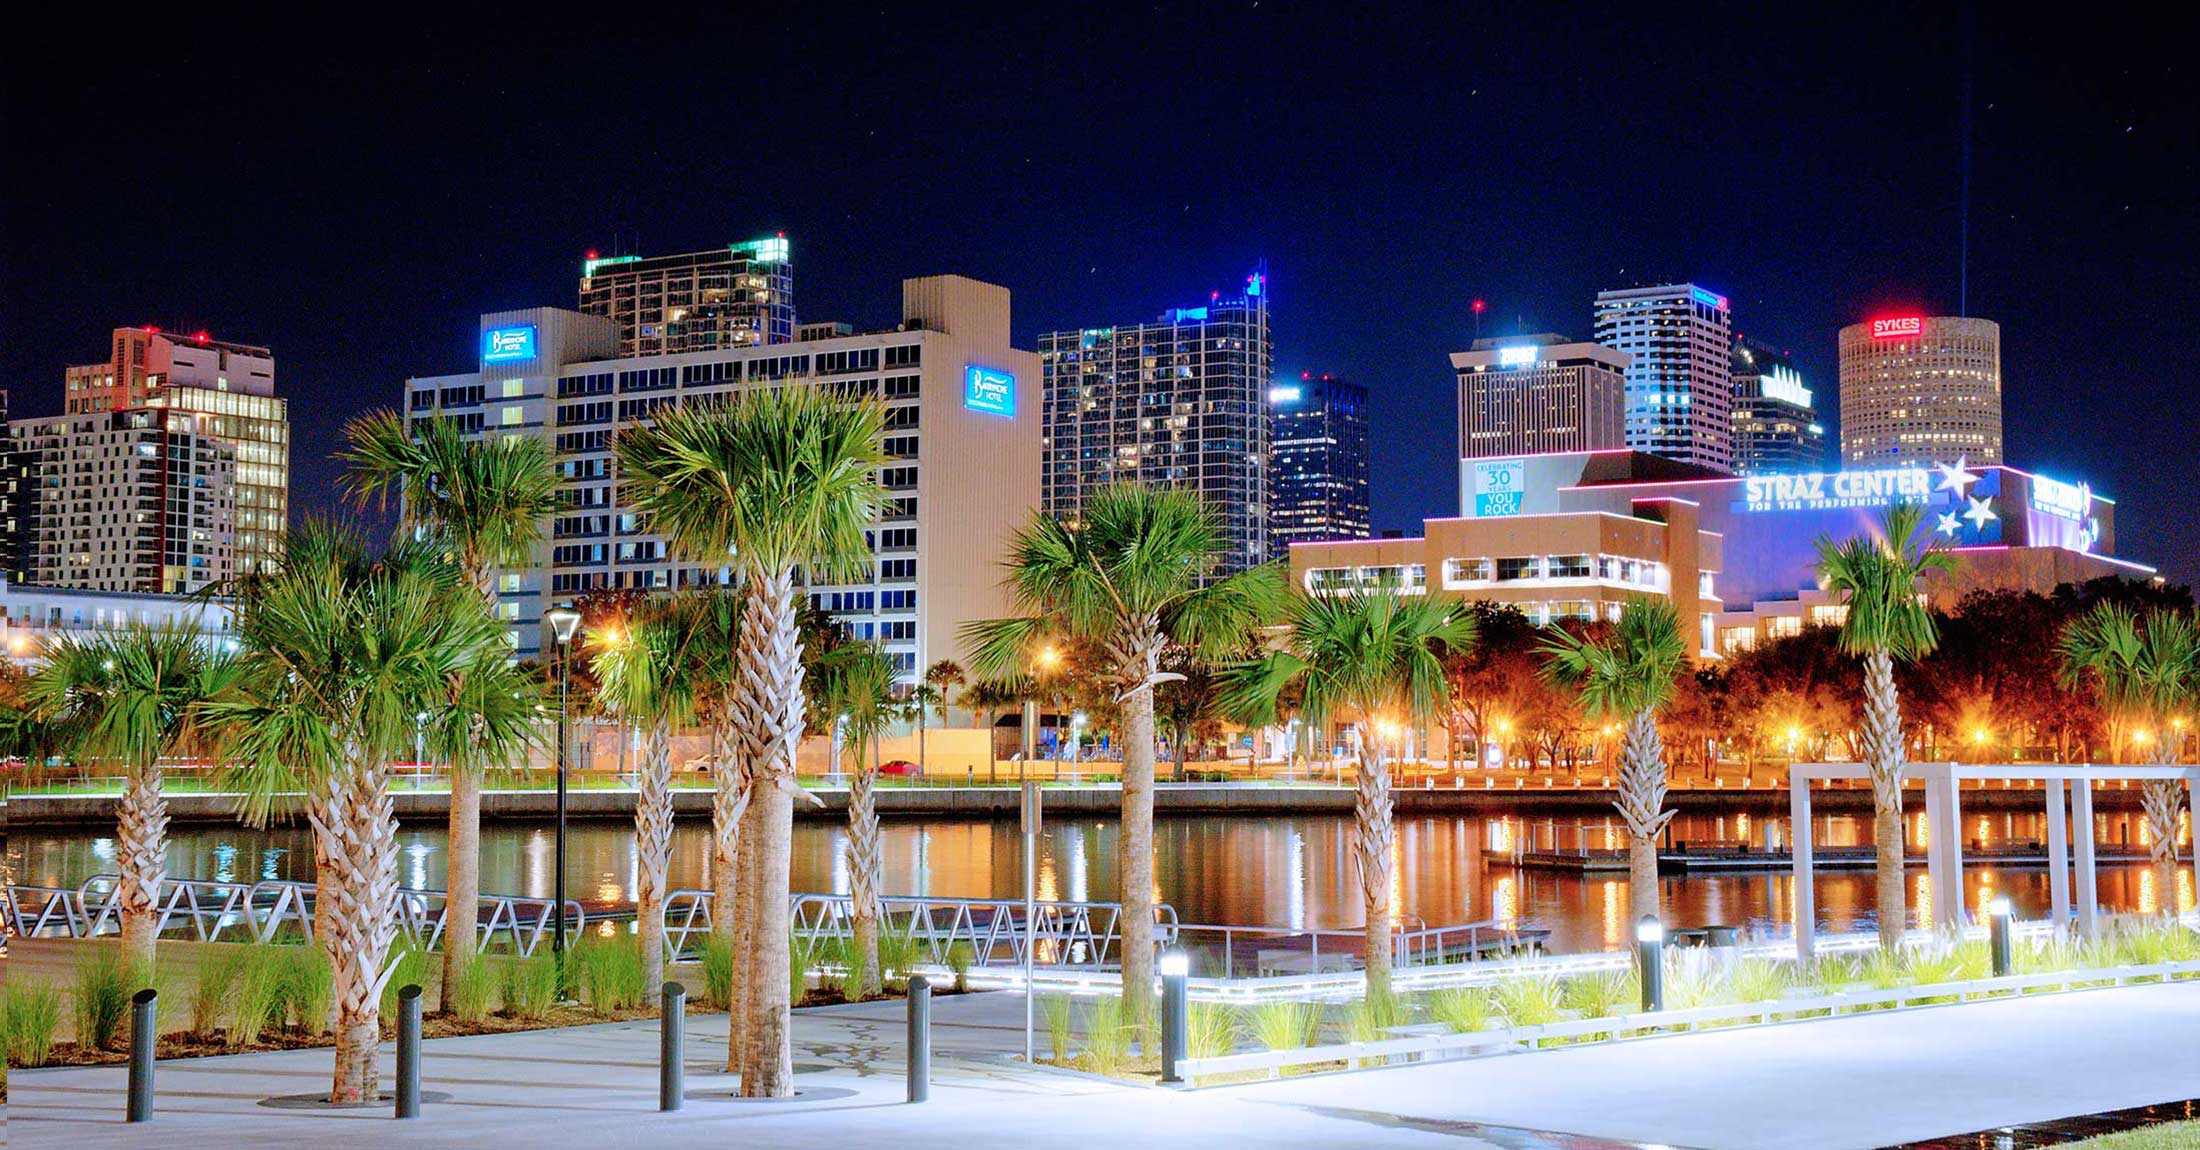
x=1283 y=1025
x=217 y=985
x=1600 y=995
x=611 y=973
x=104 y=983
x=259 y=998
x=530 y=987
x=1107 y=1036
x=718 y=974
x=1527 y=1000
x=471 y=992
x=308 y=983
x=1759 y=980
x=1462 y=1009
x=410 y=966
x=1055 y=1008
x=1210 y=1029
x=30 y=1013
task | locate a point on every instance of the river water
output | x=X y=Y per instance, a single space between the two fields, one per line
x=1283 y=871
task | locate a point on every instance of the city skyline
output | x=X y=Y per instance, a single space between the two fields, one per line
x=366 y=276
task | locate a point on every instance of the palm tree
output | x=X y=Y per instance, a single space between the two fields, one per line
x=1629 y=675
x=773 y=481
x=945 y=676
x=859 y=683
x=987 y=700
x=1128 y=577
x=1378 y=656
x=126 y=700
x=645 y=680
x=341 y=653
x=1877 y=578
x=2146 y=669
x=485 y=501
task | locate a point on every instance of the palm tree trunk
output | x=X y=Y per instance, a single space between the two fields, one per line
x=462 y=875
x=728 y=807
x=864 y=873
x=1641 y=804
x=745 y=901
x=363 y=856
x=322 y=812
x=652 y=848
x=921 y=761
x=142 y=861
x=772 y=675
x=2162 y=798
x=1135 y=857
x=1883 y=759
x=1371 y=813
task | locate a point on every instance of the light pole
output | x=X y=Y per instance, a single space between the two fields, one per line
x=564 y=622
x=1650 y=962
x=1076 y=727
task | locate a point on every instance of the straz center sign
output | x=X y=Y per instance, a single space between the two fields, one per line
x=1819 y=490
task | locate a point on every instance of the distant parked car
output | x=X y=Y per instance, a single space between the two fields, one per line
x=899 y=767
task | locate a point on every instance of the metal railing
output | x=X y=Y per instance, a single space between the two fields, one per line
x=1068 y=935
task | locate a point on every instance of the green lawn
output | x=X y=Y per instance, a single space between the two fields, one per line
x=2168 y=1136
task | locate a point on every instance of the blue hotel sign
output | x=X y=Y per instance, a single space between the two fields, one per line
x=989 y=390
x=508 y=344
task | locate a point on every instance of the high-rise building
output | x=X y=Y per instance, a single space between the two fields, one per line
x=1679 y=383
x=740 y=295
x=1317 y=461
x=16 y=527
x=1776 y=430
x=962 y=439
x=1535 y=394
x=1181 y=402
x=140 y=499
x=1921 y=389
x=229 y=391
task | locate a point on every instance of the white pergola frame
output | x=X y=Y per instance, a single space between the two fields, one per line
x=2068 y=823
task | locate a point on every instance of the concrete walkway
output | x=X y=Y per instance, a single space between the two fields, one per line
x=1857 y=1082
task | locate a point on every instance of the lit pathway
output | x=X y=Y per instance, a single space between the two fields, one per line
x=1862 y=1081
x=1851 y=1083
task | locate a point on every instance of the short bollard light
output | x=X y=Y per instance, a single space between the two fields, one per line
x=1998 y=915
x=1176 y=969
x=143 y=1034
x=1650 y=961
x=408 y=1051
x=671 y=1046
x=920 y=1038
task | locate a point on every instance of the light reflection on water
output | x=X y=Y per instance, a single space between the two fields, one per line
x=1294 y=871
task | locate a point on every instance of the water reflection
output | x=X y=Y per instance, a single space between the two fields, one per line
x=1293 y=871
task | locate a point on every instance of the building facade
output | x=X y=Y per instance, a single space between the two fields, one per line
x=741 y=295
x=33 y=617
x=1317 y=461
x=17 y=529
x=1920 y=390
x=228 y=391
x=137 y=500
x=1179 y=402
x=1680 y=340
x=962 y=437
x=1776 y=429
x=1527 y=395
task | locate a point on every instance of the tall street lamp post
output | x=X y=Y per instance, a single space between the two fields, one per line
x=564 y=622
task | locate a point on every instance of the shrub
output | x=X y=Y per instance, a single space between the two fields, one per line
x=1759 y=980
x=611 y=973
x=718 y=974
x=468 y=994
x=1529 y=1000
x=1107 y=1036
x=530 y=987
x=29 y=1015
x=1284 y=1025
x=1210 y=1029
x=1055 y=1008
x=1462 y=1009
x=309 y=982
x=104 y=984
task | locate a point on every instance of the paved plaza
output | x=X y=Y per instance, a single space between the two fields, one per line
x=1857 y=1082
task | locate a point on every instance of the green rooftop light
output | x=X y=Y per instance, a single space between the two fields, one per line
x=588 y=267
x=770 y=250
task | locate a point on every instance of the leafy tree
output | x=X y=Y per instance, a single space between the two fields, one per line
x=2146 y=669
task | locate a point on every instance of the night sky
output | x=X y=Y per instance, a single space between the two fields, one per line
x=354 y=195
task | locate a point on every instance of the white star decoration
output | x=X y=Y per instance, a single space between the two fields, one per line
x=1949 y=524
x=1956 y=478
x=1980 y=514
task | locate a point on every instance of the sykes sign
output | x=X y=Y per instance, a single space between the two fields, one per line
x=1899 y=327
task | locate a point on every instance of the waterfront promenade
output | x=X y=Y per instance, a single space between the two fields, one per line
x=1856 y=1082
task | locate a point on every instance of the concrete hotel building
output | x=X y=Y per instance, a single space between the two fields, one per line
x=1921 y=390
x=1317 y=461
x=229 y=391
x=962 y=434
x=1776 y=430
x=1680 y=380
x=142 y=500
x=1181 y=401
x=1526 y=395
x=741 y=295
